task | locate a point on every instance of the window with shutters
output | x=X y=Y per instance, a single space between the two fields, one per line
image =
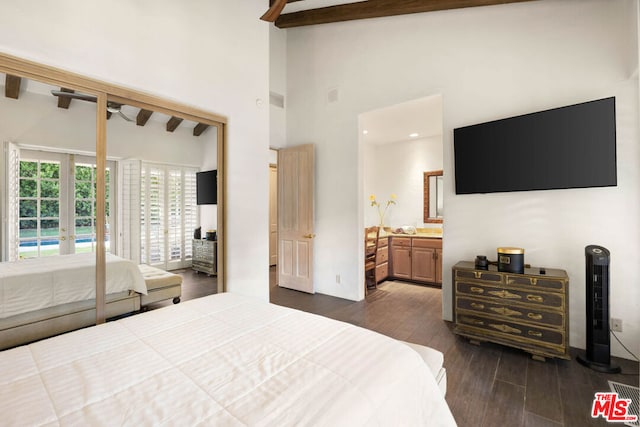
x=168 y=215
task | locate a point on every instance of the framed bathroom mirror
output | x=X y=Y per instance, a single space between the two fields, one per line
x=433 y=197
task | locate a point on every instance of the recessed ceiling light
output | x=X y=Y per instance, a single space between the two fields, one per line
x=413 y=135
x=364 y=132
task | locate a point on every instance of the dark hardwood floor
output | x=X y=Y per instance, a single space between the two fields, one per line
x=487 y=385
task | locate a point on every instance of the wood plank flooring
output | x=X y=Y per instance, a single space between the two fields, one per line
x=488 y=385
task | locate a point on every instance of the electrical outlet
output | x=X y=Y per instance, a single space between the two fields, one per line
x=616 y=325
x=338 y=279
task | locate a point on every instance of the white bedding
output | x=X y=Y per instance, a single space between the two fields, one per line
x=33 y=284
x=222 y=360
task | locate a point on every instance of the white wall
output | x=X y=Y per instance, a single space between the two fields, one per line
x=488 y=63
x=398 y=168
x=212 y=54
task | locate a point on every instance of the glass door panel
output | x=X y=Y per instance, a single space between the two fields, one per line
x=40 y=198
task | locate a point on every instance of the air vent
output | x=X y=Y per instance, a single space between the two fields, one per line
x=628 y=392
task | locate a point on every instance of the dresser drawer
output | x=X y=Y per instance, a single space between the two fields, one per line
x=536 y=282
x=512 y=330
x=383 y=241
x=517 y=313
x=479 y=275
x=513 y=295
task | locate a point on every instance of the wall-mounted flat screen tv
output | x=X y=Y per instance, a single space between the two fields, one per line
x=207 y=187
x=567 y=147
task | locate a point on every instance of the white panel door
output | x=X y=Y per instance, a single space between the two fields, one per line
x=295 y=217
x=273 y=215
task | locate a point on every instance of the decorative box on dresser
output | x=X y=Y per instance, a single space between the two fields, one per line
x=382 y=259
x=204 y=256
x=529 y=311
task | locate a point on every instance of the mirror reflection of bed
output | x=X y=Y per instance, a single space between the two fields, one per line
x=50 y=218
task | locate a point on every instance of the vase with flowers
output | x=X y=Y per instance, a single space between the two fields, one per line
x=382 y=211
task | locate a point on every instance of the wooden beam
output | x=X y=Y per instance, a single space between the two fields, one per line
x=12 y=86
x=200 y=127
x=64 y=101
x=143 y=117
x=376 y=9
x=173 y=123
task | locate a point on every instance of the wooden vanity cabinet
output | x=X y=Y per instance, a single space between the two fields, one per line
x=416 y=258
x=382 y=259
x=401 y=257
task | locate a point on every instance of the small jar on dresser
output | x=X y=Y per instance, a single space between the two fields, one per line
x=529 y=311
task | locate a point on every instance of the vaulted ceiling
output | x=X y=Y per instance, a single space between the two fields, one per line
x=299 y=13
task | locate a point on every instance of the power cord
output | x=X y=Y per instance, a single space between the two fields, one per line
x=628 y=351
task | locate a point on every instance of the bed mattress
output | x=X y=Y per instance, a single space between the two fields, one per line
x=220 y=360
x=34 y=284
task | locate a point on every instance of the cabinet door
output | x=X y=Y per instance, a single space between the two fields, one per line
x=401 y=262
x=423 y=264
x=439 y=266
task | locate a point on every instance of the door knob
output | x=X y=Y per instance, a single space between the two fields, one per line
x=309 y=236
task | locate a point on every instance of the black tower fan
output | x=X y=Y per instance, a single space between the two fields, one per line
x=597 y=283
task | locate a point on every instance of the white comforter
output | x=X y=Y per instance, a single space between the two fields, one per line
x=38 y=283
x=222 y=360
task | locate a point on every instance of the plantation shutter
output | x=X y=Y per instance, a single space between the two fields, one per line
x=129 y=196
x=191 y=218
x=152 y=219
x=10 y=241
x=174 y=215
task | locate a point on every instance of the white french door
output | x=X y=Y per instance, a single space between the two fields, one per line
x=168 y=215
x=56 y=204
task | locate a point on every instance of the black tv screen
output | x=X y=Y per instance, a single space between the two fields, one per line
x=567 y=147
x=207 y=187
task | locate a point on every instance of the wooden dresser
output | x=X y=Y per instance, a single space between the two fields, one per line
x=529 y=311
x=204 y=253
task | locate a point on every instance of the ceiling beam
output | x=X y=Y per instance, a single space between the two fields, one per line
x=173 y=123
x=65 y=101
x=12 y=86
x=143 y=117
x=200 y=127
x=376 y=9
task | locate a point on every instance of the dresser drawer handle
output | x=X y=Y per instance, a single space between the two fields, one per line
x=534 y=316
x=478 y=306
x=535 y=298
x=505 y=294
x=506 y=328
x=472 y=321
x=477 y=290
x=534 y=281
x=535 y=334
x=478 y=274
x=506 y=311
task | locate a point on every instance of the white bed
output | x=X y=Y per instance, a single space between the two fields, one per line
x=40 y=283
x=220 y=360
